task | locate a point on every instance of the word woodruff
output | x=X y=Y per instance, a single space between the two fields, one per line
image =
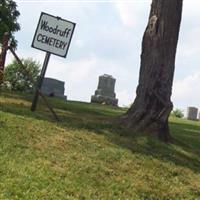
x=51 y=41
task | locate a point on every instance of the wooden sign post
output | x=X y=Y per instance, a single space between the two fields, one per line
x=39 y=84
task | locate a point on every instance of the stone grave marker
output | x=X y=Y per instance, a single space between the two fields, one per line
x=53 y=87
x=192 y=113
x=105 y=91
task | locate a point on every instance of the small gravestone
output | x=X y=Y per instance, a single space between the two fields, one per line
x=53 y=87
x=192 y=113
x=105 y=91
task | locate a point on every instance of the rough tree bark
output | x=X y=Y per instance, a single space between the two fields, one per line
x=152 y=105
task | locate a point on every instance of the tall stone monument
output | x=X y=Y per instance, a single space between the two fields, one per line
x=105 y=91
x=53 y=87
x=192 y=113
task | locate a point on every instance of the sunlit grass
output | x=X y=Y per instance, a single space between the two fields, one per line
x=85 y=156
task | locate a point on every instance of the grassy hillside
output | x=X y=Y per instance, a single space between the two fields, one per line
x=86 y=157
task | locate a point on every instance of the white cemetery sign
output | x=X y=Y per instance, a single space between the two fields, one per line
x=53 y=34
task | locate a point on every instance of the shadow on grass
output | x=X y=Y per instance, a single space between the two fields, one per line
x=183 y=152
x=24 y=110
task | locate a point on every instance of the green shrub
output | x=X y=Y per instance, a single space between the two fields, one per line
x=22 y=79
x=177 y=113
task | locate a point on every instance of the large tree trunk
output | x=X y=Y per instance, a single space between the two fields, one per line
x=152 y=106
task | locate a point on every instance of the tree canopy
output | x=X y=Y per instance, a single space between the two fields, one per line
x=8 y=20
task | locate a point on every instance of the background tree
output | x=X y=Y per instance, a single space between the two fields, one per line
x=8 y=20
x=19 y=79
x=177 y=113
x=152 y=105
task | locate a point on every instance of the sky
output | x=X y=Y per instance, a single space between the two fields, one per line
x=107 y=40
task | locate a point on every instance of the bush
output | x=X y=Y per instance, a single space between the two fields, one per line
x=22 y=79
x=177 y=113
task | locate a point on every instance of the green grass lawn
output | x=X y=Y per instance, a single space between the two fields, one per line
x=86 y=157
